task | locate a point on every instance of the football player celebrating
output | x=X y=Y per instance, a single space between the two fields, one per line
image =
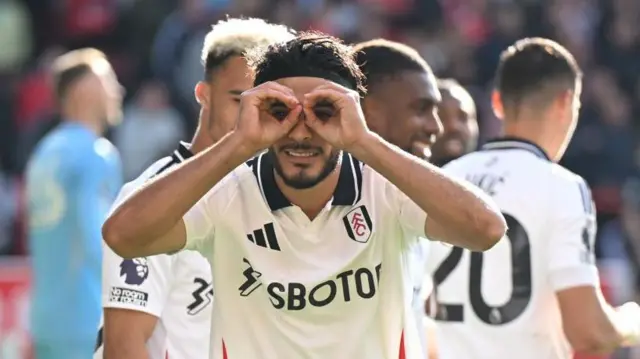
x=308 y=245
x=535 y=295
x=160 y=306
x=401 y=106
x=457 y=112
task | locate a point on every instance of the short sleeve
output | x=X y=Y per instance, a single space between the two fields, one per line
x=140 y=284
x=572 y=237
x=199 y=223
x=410 y=216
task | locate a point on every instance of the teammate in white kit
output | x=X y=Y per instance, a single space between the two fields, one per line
x=308 y=245
x=160 y=306
x=401 y=105
x=457 y=112
x=535 y=295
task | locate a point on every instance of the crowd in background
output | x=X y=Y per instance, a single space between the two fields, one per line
x=155 y=47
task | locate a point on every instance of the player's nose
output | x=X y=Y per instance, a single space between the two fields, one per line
x=432 y=125
x=300 y=132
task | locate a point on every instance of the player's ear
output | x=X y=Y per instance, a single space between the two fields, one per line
x=564 y=100
x=496 y=105
x=202 y=94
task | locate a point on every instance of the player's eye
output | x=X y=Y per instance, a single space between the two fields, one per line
x=278 y=110
x=324 y=110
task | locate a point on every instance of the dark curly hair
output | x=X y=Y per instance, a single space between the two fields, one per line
x=311 y=54
x=381 y=59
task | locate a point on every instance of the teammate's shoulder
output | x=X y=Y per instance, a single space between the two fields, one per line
x=562 y=177
x=470 y=162
x=151 y=171
x=104 y=148
x=570 y=189
x=230 y=185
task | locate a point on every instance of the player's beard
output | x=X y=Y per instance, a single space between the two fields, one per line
x=442 y=161
x=302 y=180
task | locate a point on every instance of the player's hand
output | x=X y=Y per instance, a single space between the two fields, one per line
x=267 y=113
x=629 y=313
x=334 y=113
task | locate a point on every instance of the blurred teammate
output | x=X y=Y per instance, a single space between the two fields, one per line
x=160 y=306
x=536 y=294
x=72 y=180
x=457 y=112
x=401 y=106
x=307 y=244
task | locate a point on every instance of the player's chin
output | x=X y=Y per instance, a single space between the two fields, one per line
x=301 y=179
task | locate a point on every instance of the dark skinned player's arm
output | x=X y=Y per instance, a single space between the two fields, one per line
x=457 y=212
x=126 y=333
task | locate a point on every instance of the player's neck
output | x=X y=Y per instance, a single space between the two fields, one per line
x=84 y=118
x=201 y=140
x=311 y=200
x=533 y=130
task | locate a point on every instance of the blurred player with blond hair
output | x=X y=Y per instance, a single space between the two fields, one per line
x=72 y=179
x=160 y=306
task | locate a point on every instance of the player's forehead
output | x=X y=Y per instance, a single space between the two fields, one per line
x=302 y=85
x=451 y=102
x=412 y=85
x=457 y=99
x=233 y=75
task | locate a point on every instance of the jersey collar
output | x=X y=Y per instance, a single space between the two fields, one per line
x=183 y=152
x=347 y=192
x=514 y=143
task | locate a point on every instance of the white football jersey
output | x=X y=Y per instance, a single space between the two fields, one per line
x=501 y=304
x=418 y=264
x=176 y=289
x=338 y=286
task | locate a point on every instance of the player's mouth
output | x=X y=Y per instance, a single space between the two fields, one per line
x=421 y=149
x=452 y=145
x=301 y=153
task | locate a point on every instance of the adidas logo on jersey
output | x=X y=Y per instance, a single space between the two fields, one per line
x=265 y=237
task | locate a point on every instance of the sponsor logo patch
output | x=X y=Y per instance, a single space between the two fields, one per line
x=128 y=296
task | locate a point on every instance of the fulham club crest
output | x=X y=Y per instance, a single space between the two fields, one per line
x=358 y=224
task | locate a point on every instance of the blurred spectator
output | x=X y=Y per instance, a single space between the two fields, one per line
x=176 y=52
x=8 y=212
x=603 y=149
x=15 y=35
x=149 y=131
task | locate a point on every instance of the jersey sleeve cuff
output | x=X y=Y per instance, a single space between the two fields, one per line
x=106 y=303
x=574 y=277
